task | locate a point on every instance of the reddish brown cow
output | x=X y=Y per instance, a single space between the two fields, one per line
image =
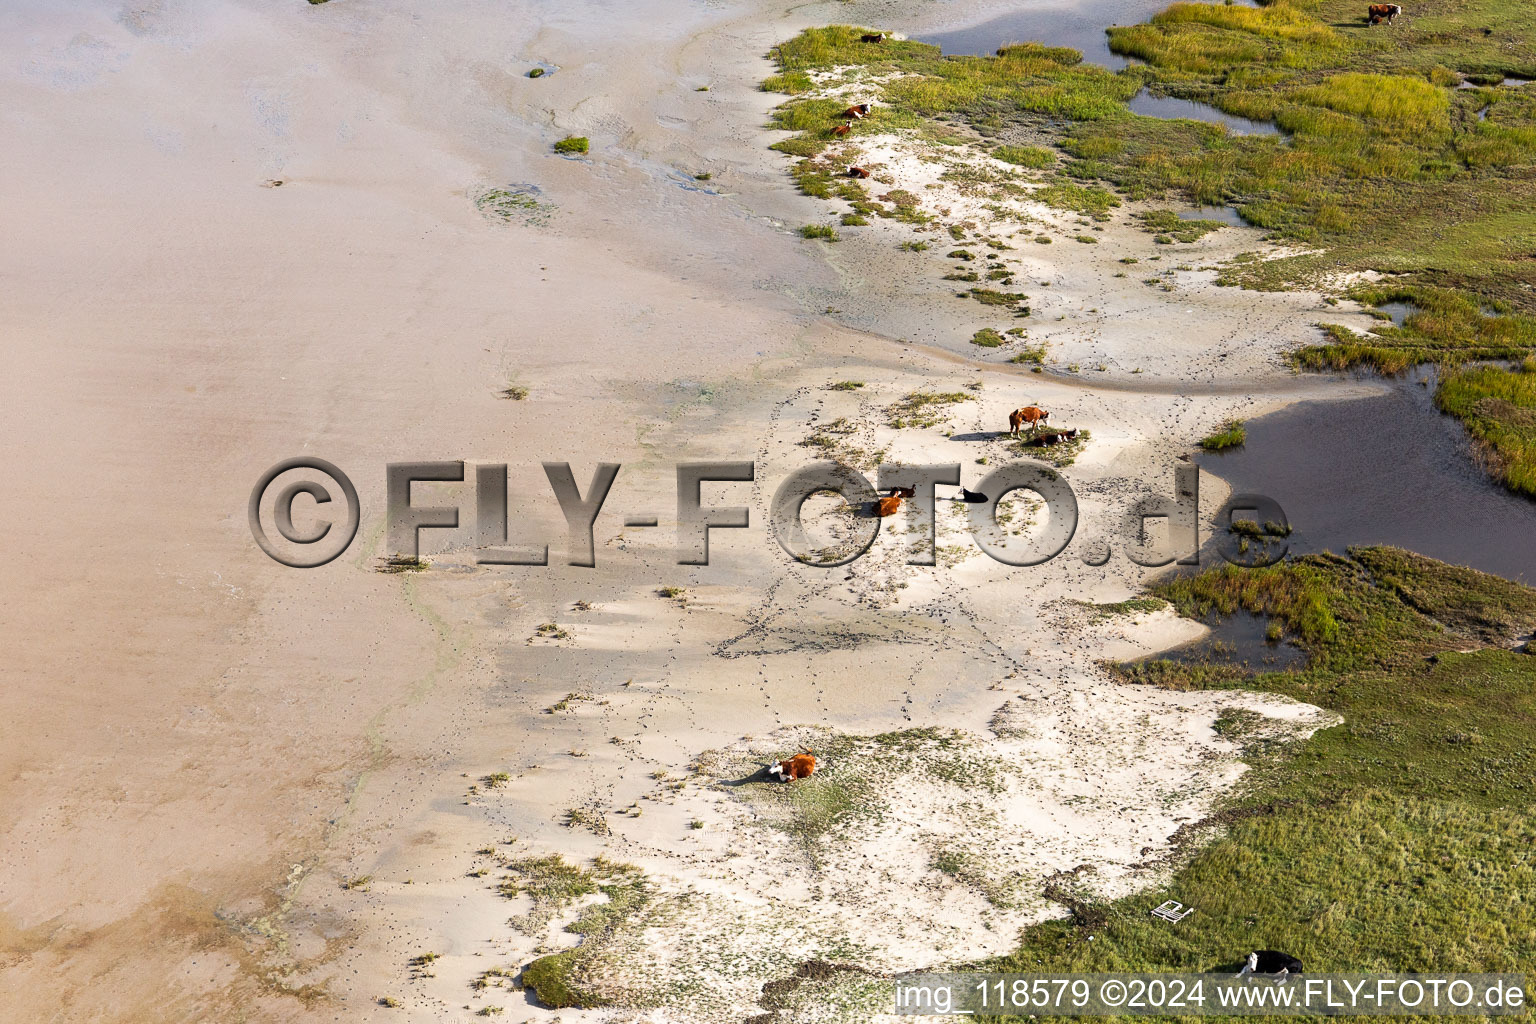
x=857 y=112
x=843 y=129
x=801 y=766
x=858 y=172
x=1032 y=415
x=1375 y=14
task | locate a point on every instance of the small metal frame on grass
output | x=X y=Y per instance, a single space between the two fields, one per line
x=1172 y=910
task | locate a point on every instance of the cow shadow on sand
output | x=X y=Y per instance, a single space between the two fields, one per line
x=761 y=775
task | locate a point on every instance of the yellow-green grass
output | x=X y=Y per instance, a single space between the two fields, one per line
x=1445 y=327
x=1498 y=406
x=1398 y=840
x=1230 y=434
x=1386 y=163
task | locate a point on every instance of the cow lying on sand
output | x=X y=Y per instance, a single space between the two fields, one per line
x=1375 y=14
x=798 y=767
x=888 y=505
x=1031 y=415
x=1058 y=437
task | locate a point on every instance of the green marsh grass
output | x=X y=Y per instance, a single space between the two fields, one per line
x=1396 y=840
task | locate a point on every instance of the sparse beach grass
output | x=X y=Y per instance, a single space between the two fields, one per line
x=924 y=408
x=565 y=980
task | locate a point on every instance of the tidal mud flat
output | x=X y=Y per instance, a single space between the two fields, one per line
x=364 y=795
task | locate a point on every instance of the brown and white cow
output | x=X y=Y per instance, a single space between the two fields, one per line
x=1031 y=415
x=872 y=37
x=857 y=112
x=801 y=766
x=843 y=129
x=1375 y=14
x=858 y=172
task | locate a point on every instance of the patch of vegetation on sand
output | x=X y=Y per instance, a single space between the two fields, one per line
x=1230 y=434
x=987 y=338
x=520 y=203
x=924 y=408
x=992 y=297
x=1040 y=446
x=852 y=775
x=1037 y=157
x=822 y=231
x=1130 y=606
x=1168 y=224
x=1398 y=840
x=568 y=979
x=572 y=144
x=398 y=564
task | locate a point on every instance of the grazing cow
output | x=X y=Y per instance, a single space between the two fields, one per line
x=1031 y=414
x=857 y=112
x=1271 y=961
x=843 y=129
x=798 y=767
x=1375 y=14
x=857 y=172
x=872 y=37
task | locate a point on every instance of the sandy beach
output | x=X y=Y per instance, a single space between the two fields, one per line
x=231 y=790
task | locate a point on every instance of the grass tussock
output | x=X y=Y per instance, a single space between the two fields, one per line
x=1169 y=223
x=1230 y=434
x=572 y=144
x=1036 y=157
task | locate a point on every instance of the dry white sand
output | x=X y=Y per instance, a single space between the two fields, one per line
x=200 y=746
